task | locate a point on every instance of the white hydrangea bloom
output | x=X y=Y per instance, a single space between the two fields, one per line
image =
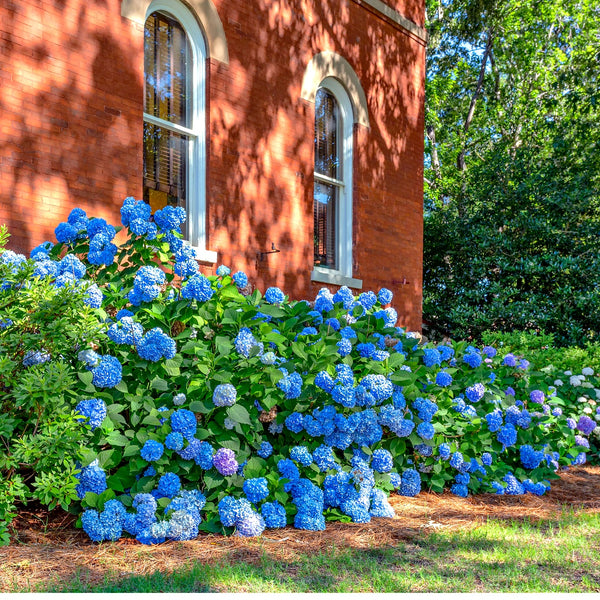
x=178 y=399
x=568 y=372
x=582 y=399
x=587 y=410
x=587 y=371
x=575 y=380
x=558 y=383
x=597 y=393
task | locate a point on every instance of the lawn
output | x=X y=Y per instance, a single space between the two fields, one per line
x=436 y=543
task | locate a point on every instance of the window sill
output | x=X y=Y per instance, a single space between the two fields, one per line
x=335 y=278
x=205 y=256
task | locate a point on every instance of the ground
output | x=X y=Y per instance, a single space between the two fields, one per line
x=48 y=548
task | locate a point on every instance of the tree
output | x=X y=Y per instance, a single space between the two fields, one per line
x=512 y=202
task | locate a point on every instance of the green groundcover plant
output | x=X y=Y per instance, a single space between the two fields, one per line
x=157 y=402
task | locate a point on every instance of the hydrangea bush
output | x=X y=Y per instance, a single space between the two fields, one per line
x=203 y=406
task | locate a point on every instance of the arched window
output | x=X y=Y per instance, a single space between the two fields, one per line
x=333 y=183
x=174 y=117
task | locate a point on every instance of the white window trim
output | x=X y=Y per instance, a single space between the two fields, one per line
x=343 y=274
x=196 y=172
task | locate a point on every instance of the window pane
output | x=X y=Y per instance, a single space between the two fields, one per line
x=167 y=78
x=326 y=124
x=325 y=209
x=165 y=167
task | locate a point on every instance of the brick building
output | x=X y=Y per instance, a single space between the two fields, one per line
x=291 y=130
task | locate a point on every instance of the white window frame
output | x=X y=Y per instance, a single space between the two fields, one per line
x=196 y=171
x=343 y=274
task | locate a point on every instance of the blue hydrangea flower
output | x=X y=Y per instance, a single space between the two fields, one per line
x=395 y=480
x=368 y=300
x=486 y=458
x=91 y=479
x=89 y=357
x=125 y=331
x=302 y=455
x=290 y=384
x=344 y=347
x=343 y=295
x=295 y=422
x=274 y=515
x=424 y=449
x=156 y=344
x=246 y=344
x=432 y=357
x=225 y=394
x=174 y=441
x=35 y=357
x=494 y=420
x=425 y=430
x=324 y=458
x=507 y=435
x=378 y=385
x=458 y=489
x=152 y=450
x=368 y=430
x=108 y=373
x=444 y=451
x=169 y=485
x=198 y=288
x=94 y=409
x=186 y=264
x=146 y=285
x=42 y=250
x=240 y=278
x=265 y=450
x=170 y=218
x=274 y=295
x=474 y=393
x=380 y=507
x=489 y=351
x=184 y=422
x=72 y=265
x=135 y=214
x=382 y=461
x=411 y=483
x=509 y=360
x=268 y=358
x=288 y=469
x=456 y=460
x=514 y=486
x=473 y=360
x=324 y=381
x=256 y=489
x=425 y=408
x=530 y=458
x=443 y=379
x=102 y=251
x=45 y=268
x=384 y=296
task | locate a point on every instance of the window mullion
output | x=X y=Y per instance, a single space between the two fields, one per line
x=170 y=126
x=330 y=180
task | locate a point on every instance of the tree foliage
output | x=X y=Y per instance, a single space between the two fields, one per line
x=512 y=203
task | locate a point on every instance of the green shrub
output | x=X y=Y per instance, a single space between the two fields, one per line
x=288 y=411
x=540 y=350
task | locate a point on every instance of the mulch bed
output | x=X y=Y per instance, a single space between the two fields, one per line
x=47 y=546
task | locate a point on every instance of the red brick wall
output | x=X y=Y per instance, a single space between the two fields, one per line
x=71 y=131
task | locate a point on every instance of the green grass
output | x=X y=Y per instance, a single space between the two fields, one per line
x=499 y=556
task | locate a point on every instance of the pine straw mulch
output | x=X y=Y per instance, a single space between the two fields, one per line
x=47 y=546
